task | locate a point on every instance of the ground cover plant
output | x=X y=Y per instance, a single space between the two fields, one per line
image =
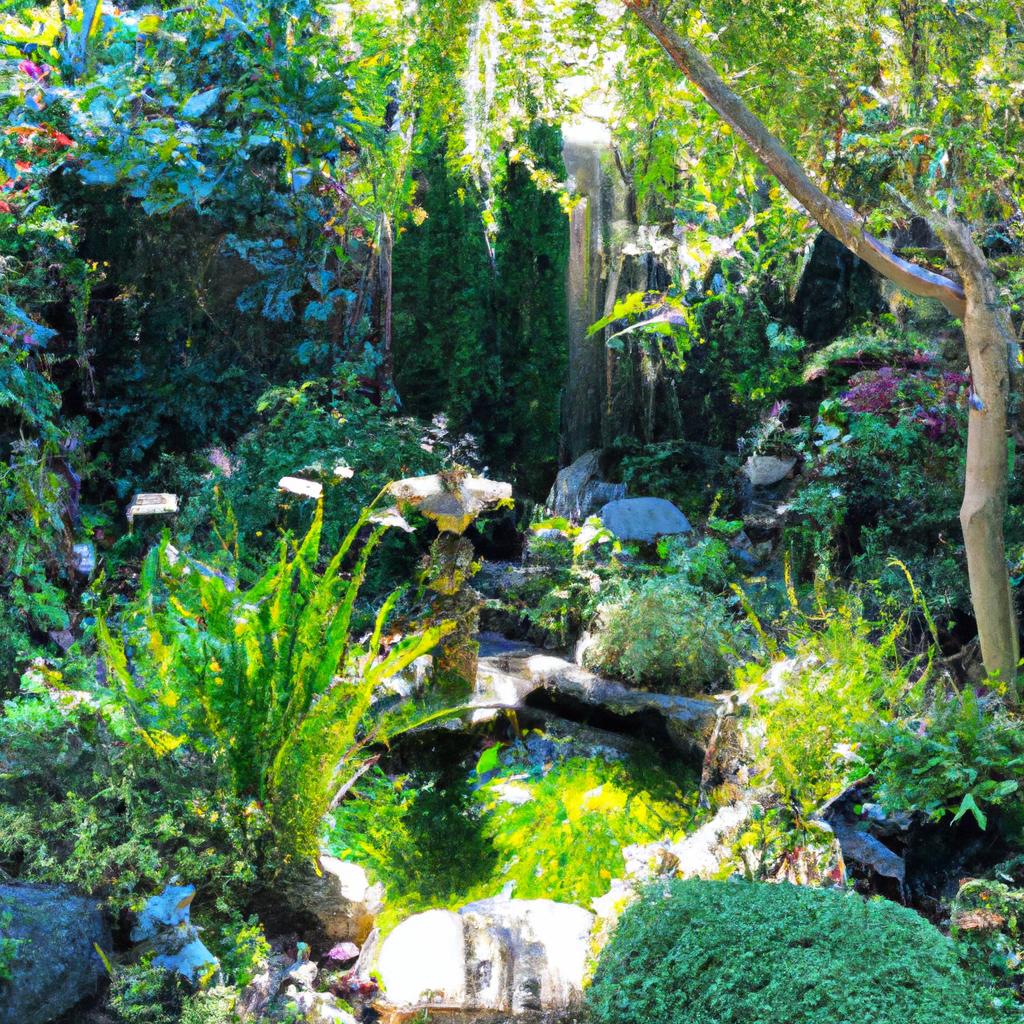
x=747 y=952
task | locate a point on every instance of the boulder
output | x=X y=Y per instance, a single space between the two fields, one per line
x=580 y=489
x=524 y=958
x=767 y=470
x=510 y=680
x=339 y=902
x=644 y=519
x=55 y=964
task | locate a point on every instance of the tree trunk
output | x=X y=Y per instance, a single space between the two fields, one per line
x=987 y=333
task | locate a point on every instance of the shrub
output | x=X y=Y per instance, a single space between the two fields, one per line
x=307 y=431
x=85 y=804
x=747 y=953
x=963 y=757
x=268 y=678
x=813 y=713
x=667 y=633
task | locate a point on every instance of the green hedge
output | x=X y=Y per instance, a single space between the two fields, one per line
x=744 y=953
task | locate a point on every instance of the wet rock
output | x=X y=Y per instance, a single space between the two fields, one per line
x=55 y=963
x=340 y=902
x=580 y=489
x=644 y=519
x=524 y=679
x=525 y=958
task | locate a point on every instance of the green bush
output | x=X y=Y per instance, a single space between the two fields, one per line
x=667 y=633
x=747 y=953
x=961 y=757
x=83 y=802
x=813 y=715
x=306 y=431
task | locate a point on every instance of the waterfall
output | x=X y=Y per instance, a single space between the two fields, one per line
x=585 y=149
x=609 y=392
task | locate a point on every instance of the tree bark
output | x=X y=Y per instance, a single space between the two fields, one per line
x=987 y=332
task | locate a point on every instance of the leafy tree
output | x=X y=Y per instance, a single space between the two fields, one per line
x=951 y=181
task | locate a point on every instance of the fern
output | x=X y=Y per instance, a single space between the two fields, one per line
x=270 y=679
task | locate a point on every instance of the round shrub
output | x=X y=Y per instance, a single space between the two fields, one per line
x=666 y=634
x=748 y=953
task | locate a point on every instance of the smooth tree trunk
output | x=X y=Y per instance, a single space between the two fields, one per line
x=987 y=335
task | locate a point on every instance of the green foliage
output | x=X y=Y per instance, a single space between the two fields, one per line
x=565 y=842
x=667 y=633
x=959 y=756
x=685 y=472
x=538 y=815
x=985 y=922
x=143 y=993
x=332 y=435
x=82 y=803
x=421 y=834
x=480 y=316
x=8 y=947
x=748 y=953
x=242 y=948
x=844 y=679
x=269 y=678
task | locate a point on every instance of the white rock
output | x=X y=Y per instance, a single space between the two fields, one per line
x=424 y=960
x=500 y=954
x=303 y=488
x=767 y=470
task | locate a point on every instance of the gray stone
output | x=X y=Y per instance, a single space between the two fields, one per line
x=505 y=681
x=55 y=965
x=580 y=490
x=767 y=470
x=644 y=519
x=524 y=958
x=340 y=899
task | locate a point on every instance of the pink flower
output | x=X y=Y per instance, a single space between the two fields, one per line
x=34 y=71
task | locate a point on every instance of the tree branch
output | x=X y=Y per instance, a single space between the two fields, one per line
x=836 y=218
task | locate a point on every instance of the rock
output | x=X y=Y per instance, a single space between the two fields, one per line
x=698 y=855
x=580 y=489
x=509 y=681
x=767 y=470
x=164 y=923
x=340 y=901
x=83 y=558
x=644 y=519
x=834 y=287
x=525 y=958
x=55 y=963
